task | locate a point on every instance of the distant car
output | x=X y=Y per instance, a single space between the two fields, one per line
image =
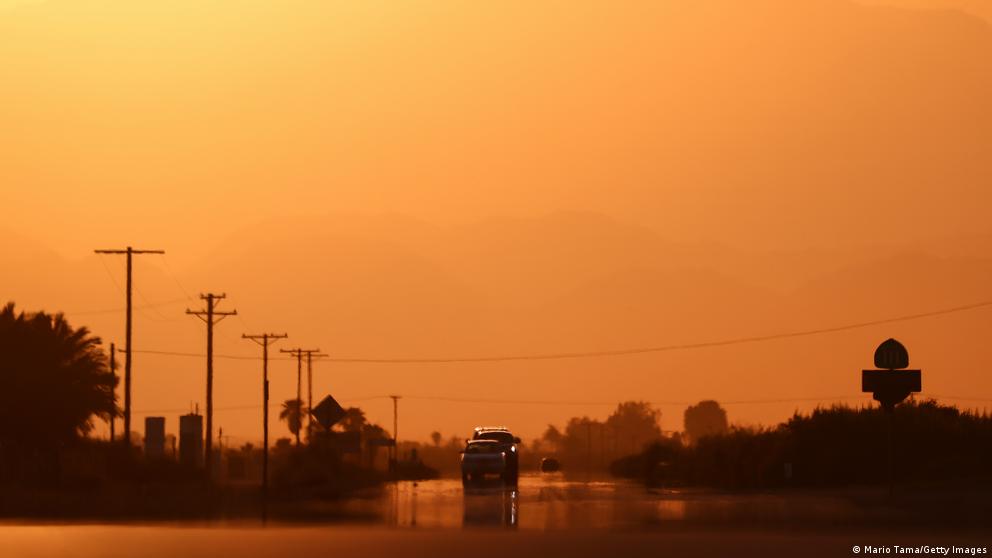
x=550 y=465
x=508 y=444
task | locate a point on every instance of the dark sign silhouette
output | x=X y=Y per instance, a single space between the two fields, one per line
x=328 y=412
x=891 y=385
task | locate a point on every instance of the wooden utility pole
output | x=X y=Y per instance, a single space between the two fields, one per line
x=113 y=372
x=602 y=445
x=310 y=356
x=210 y=316
x=298 y=353
x=265 y=339
x=589 y=444
x=392 y=464
x=127 y=337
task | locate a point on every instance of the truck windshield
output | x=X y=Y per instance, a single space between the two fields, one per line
x=497 y=436
x=482 y=448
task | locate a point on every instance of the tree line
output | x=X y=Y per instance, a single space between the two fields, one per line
x=834 y=446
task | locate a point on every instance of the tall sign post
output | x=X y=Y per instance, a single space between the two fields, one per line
x=890 y=385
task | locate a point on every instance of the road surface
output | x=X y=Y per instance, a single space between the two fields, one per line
x=545 y=516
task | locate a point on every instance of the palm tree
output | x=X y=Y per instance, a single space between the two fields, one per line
x=373 y=432
x=292 y=413
x=353 y=420
x=55 y=380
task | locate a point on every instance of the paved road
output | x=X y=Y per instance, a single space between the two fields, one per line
x=83 y=541
x=551 y=502
x=546 y=516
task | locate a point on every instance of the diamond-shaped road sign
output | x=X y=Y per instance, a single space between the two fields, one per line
x=328 y=412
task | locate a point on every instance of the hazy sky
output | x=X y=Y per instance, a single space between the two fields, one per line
x=450 y=178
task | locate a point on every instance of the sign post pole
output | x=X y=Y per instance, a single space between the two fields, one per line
x=890 y=385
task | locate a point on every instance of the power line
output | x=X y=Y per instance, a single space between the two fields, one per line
x=470 y=400
x=665 y=348
x=115 y=310
x=182 y=288
x=611 y=403
x=622 y=352
x=244 y=322
x=175 y=278
x=793 y=400
x=152 y=307
x=522 y=402
x=251 y=407
x=110 y=274
x=140 y=308
x=201 y=355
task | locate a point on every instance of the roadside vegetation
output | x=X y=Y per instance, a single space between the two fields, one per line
x=829 y=447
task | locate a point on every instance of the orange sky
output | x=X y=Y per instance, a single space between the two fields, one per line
x=445 y=178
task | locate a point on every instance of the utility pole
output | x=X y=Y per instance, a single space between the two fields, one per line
x=127 y=336
x=310 y=356
x=589 y=444
x=265 y=340
x=299 y=380
x=113 y=372
x=210 y=316
x=602 y=445
x=392 y=463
